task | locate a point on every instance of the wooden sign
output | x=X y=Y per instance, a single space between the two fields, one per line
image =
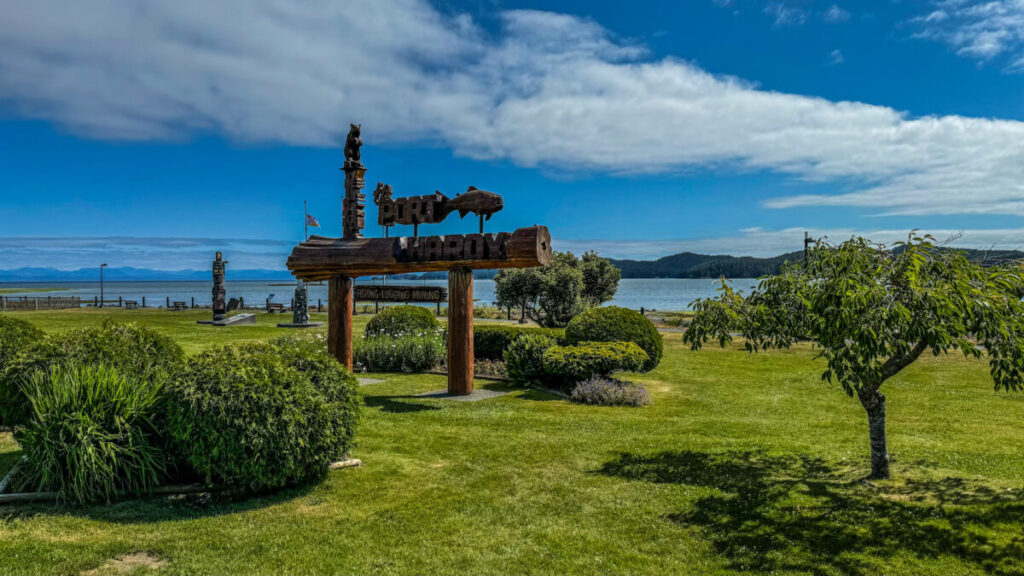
x=319 y=258
x=341 y=260
x=400 y=294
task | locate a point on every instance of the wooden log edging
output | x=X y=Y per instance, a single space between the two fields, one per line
x=10 y=474
x=172 y=490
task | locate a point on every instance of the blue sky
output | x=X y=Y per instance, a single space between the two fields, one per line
x=151 y=135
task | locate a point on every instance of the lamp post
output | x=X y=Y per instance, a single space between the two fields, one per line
x=102 y=266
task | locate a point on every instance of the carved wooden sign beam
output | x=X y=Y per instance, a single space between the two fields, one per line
x=400 y=294
x=319 y=258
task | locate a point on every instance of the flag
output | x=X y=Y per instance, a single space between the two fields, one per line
x=310 y=221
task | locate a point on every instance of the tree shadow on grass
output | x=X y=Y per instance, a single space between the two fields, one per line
x=797 y=513
x=395 y=404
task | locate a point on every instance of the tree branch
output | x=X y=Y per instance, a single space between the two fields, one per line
x=893 y=365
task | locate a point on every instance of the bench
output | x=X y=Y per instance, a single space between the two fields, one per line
x=275 y=308
x=131 y=304
x=179 y=306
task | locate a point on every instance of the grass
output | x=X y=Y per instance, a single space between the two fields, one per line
x=25 y=290
x=742 y=464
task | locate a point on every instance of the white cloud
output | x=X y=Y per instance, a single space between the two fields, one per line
x=979 y=30
x=784 y=14
x=835 y=57
x=546 y=90
x=835 y=15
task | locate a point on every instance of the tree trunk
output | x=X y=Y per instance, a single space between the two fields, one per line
x=874 y=403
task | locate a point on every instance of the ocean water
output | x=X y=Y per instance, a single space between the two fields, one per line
x=650 y=293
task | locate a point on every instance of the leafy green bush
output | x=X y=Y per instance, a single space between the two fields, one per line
x=524 y=358
x=601 y=391
x=134 y=350
x=615 y=324
x=15 y=334
x=491 y=340
x=260 y=416
x=401 y=321
x=92 y=433
x=401 y=354
x=567 y=365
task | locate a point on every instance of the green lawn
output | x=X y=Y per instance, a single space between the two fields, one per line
x=742 y=464
x=24 y=290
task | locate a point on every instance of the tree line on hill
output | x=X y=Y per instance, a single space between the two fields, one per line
x=690 y=265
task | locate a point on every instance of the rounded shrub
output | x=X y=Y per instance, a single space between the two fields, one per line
x=567 y=365
x=615 y=324
x=135 y=351
x=261 y=416
x=491 y=340
x=15 y=334
x=92 y=433
x=524 y=358
x=401 y=321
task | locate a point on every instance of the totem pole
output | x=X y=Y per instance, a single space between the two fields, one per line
x=300 y=312
x=219 y=304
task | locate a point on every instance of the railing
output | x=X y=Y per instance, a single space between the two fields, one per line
x=39 y=302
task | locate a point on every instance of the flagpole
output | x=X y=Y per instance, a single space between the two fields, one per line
x=305 y=219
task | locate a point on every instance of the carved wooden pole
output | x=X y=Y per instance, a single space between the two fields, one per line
x=339 y=319
x=460 y=331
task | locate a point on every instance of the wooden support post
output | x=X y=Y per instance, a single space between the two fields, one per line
x=143 y=301
x=167 y=301
x=339 y=319
x=460 y=331
x=193 y=301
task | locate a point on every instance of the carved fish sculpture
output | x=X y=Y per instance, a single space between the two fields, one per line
x=433 y=208
x=479 y=202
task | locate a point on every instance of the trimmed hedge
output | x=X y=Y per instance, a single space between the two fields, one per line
x=401 y=321
x=567 y=365
x=615 y=324
x=135 y=351
x=15 y=334
x=261 y=416
x=491 y=340
x=524 y=358
x=93 y=432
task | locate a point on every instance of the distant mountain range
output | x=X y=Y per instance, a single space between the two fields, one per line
x=684 y=265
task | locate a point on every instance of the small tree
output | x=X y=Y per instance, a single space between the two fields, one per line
x=550 y=295
x=517 y=288
x=872 y=312
x=600 y=279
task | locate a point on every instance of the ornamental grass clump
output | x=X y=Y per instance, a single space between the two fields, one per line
x=601 y=391
x=134 y=350
x=93 y=432
x=259 y=416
